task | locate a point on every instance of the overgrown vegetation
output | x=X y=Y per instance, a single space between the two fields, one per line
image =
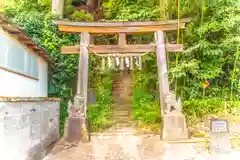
x=36 y=20
x=211 y=41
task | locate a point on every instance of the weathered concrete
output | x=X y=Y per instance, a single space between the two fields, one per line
x=28 y=126
x=174 y=127
x=122 y=145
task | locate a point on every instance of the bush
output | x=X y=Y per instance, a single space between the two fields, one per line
x=99 y=114
x=196 y=109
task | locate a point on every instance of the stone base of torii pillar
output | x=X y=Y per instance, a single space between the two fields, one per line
x=76 y=126
x=174 y=125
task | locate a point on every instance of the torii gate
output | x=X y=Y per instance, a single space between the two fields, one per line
x=174 y=124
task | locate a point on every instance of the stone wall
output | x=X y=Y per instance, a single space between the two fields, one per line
x=28 y=126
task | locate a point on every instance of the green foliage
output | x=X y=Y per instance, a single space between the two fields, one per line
x=100 y=114
x=126 y=10
x=210 y=41
x=196 y=109
x=81 y=16
x=36 y=21
x=45 y=3
x=212 y=45
x=145 y=106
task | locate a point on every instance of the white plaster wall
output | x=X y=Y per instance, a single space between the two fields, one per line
x=14 y=85
x=26 y=134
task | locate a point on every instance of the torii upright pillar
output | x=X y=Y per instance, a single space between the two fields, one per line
x=174 y=123
x=76 y=128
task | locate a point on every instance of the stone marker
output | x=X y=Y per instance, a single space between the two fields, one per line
x=219 y=136
x=73 y=132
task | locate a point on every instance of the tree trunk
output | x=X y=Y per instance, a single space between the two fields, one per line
x=57 y=7
x=93 y=4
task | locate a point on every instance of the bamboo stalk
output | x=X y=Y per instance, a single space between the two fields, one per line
x=203 y=7
x=178 y=37
x=233 y=74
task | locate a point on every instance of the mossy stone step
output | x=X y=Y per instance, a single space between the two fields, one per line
x=124 y=117
x=121 y=113
x=122 y=125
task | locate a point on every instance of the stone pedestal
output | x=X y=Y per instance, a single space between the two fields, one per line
x=174 y=127
x=76 y=129
x=219 y=136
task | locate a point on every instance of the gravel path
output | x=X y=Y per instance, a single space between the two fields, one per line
x=111 y=147
x=125 y=145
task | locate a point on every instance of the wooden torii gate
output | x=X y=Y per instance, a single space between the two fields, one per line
x=174 y=124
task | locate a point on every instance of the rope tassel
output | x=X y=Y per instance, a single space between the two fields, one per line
x=140 y=63
x=131 y=63
x=121 y=63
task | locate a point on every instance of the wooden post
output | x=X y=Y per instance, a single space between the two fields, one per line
x=162 y=67
x=109 y=62
x=122 y=42
x=122 y=39
x=114 y=63
x=57 y=7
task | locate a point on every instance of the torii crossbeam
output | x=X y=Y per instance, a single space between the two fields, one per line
x=174 y=125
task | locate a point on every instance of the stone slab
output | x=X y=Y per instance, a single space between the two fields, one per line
x=180 y=151
x=220 y=143
x=219 y=136
x=174 y=127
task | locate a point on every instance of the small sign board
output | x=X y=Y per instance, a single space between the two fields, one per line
x=91 y=97
x=219 y=125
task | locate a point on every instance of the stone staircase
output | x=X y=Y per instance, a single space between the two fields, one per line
x=122 y=91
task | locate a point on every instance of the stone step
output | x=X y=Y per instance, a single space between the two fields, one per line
x=122 y=106
x=121 y=121
x=121 y=110
x=120 y=117
x=118 y=85
x=122 y=125
x=121 y=113
x=119 y=101
x=119 y=90
x=115 y=88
